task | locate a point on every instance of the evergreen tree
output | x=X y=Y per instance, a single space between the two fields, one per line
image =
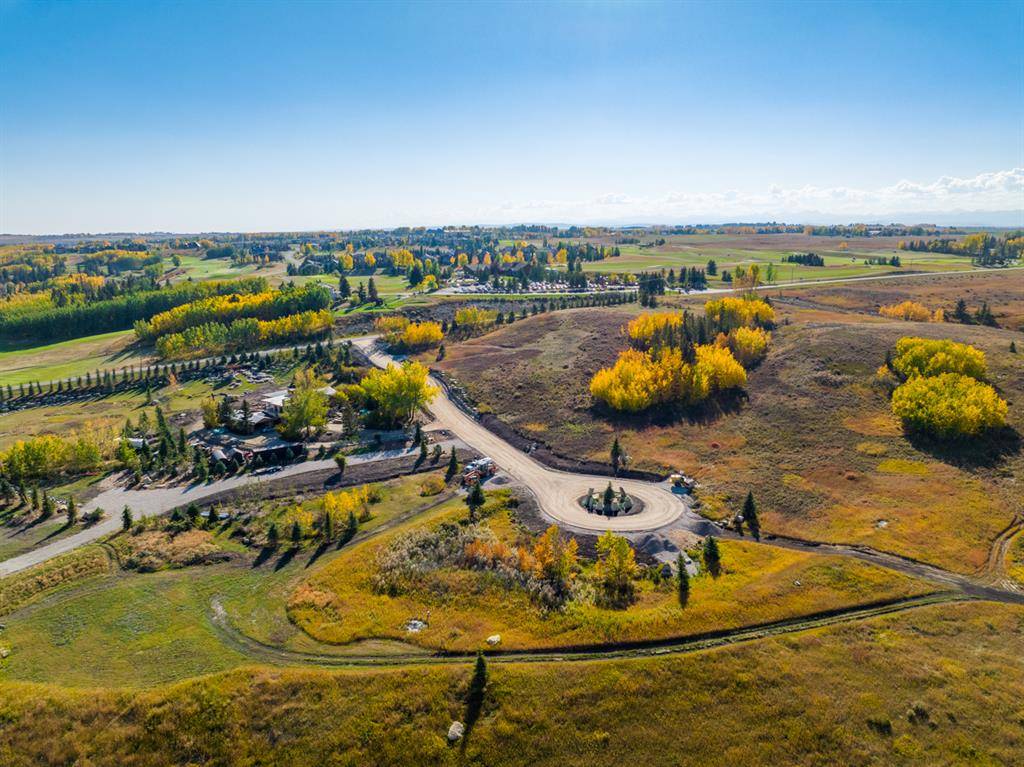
x=616 y=455
x=351 y=527
x=423 y=451
x=343 y=287
x=126 y=518
x=750 y=516
x=35 y=499
x=683 y=581
x=339 y=459
x=48 y=506
x=328 y=527
x=1013 y=348
x=192 y=513
x=477 y=690
x=371 y=291
x=72 y=511
x=475 y=500
x=712 y=556
x=453 y=466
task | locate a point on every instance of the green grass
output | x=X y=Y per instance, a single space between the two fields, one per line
x=20 y=364
x=200 y=269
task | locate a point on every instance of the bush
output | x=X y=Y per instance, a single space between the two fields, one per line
x=640 y=380
x=949 y=405
x=748 y=345
x=432 y=486
x=927 y=357
x=911 y=311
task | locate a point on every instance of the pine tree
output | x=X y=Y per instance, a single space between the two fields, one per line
x=712 y=556
x=423 y=451
x=1013 y=347
x=328 y=527
x=684 y=581
x=272 y=537
x=48 y=506
x=453 y=466
x=126 y=519
x=192 y=512
x=72 y=512
x=475 y=500
x=750 y=516
x=339 y=459
x=371 y=291
x=616 y=455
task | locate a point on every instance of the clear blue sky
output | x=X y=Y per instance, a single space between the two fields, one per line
x=231 y=116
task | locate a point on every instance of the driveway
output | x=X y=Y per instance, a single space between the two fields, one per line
x=159 y=500
x=557 y=492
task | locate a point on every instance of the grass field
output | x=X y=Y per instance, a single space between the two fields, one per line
x=130 y=629
x=809 y=441
x=758 y=584
x=730 y=250
x=937 y=685
x=19 y=364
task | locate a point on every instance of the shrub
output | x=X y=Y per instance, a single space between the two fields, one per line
x=730 y=312
x=911 y=311
x=640 y=380
x=927 y=357
x=949 y=405
x=475 y=318
x=421 y=335
x=748 y=345
x=432 y=486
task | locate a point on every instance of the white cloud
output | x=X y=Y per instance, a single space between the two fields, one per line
x=997 y=191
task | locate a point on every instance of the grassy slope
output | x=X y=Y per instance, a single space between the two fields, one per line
x=758 y=584
x=810 y=441
x=69 y=358
x=820 y=697
x=131 y=629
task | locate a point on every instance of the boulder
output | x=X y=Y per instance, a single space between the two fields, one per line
x=455 y=731
x=494 y=639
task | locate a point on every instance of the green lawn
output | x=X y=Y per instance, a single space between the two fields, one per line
x=20 y=364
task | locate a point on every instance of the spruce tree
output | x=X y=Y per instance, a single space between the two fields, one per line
x=750 y=516
x=616 y=455
x=126 y=518
x=683 y=581
x=453 y=466
x=72 y=512
x=475 y=500
x=712 y=556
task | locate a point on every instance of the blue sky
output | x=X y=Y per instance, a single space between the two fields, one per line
x=268 y=116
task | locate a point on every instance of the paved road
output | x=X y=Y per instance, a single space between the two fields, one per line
x=557 y=492
x=159 y=500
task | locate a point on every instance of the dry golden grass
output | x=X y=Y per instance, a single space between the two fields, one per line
x=935 y=686
x=19 y=589
x=759 y=584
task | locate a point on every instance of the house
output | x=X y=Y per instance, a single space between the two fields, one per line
x=273 y=403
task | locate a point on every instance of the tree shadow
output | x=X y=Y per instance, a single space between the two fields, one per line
x=985 y=451
x=701 y=414
x=265 y=553
x=317 y=553
x=286 y=558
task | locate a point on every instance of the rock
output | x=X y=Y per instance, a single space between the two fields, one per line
x=455 y=731
x=4 y=652
x=414 y=625
x=494 y=639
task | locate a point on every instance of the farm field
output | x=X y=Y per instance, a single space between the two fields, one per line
x=814 y=439
x=728 y=251
x=915 y=687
